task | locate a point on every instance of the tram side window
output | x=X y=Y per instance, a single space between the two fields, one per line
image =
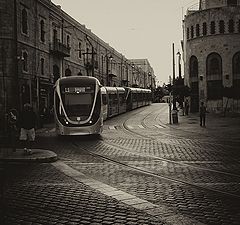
x=121 y=99
x=134 y=97
x=104 y=99
x=113 y=100
x=129 y=98
x=140 y=96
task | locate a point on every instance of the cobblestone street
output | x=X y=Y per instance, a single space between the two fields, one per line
x=141 y=170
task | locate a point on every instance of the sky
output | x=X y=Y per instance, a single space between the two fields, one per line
x=138 y=29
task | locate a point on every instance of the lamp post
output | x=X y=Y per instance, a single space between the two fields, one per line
x=174 y=111
x=179 y=65
x=107 y=67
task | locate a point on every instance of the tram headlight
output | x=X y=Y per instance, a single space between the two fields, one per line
x=65 y=121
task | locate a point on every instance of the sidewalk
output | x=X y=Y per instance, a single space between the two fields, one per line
x=38 y=155
x=216 y=125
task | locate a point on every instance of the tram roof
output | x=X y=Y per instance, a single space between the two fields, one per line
x=136 y=90
x=78 y=80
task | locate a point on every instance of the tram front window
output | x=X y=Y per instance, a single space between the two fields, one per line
x=78 y=105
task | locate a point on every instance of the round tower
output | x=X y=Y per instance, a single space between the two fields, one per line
x=212 y=55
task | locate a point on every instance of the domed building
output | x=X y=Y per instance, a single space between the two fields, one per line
x=211 y=46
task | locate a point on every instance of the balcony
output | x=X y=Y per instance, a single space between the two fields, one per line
x=59 y=49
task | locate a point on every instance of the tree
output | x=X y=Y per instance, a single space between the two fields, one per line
x=159 y=93
x=180 y=90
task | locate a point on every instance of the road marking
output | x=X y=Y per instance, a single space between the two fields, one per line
x=158 y=126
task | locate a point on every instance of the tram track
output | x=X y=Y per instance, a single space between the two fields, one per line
x=131 y=131
x=148 y=172
x=177 y=163
x=176 y=137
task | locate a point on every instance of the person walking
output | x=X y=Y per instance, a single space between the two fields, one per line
x=27 y=123
x=12 y=130
x=203 y=111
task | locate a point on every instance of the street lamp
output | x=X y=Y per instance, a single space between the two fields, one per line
x=179 y=65
x=107 y=67
x=174 y=111
x=150 y=76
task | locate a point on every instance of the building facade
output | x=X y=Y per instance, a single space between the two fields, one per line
x=39 y=43
x=211 y=46
x=147 y=79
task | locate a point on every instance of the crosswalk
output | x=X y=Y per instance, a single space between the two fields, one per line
x=117 y=127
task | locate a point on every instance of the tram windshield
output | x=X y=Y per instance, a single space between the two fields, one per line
x=78 y=102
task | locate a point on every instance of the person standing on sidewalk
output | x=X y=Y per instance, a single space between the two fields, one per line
x=203 y=111
x=27 y=124
x=186 y=106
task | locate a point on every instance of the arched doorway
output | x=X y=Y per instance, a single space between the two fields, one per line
x=214 y=77
x=194 y=85
x=236 y=76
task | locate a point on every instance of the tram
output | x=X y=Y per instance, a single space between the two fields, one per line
x=77 y=106
x=81 y=104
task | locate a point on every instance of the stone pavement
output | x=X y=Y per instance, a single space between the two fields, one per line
x=53 y=193
x=216 y=125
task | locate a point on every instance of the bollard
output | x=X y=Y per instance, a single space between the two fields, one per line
x=175 y=116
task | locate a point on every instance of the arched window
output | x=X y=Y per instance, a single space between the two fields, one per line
x=79 y=50
x=204 y=28
x=236 y=75
x=68 y=72
x=212 y=28
x=187 y=33
x=214 y=76
x=236 y=65
x=193 y=67
x=197 y=30
x=55 y=36
x=232 y=2
x=192 y=32
x=42 y=66
x=68 y=41
x=24 y=21
x=42 y=31
x=231 y=26
x=25 y=61
x=214 y=65
x=221 y=27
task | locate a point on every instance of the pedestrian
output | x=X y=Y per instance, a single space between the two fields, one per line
x=203 y=111
x=12 y=130
x=186 y=106
x=27 y=123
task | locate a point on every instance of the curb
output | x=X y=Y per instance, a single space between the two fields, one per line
x=37 y=156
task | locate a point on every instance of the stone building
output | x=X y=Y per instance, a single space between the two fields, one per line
x=39 y=43
x=211 y=48
x=148 y=78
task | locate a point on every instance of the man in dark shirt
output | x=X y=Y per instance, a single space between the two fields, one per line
x=27 y=124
